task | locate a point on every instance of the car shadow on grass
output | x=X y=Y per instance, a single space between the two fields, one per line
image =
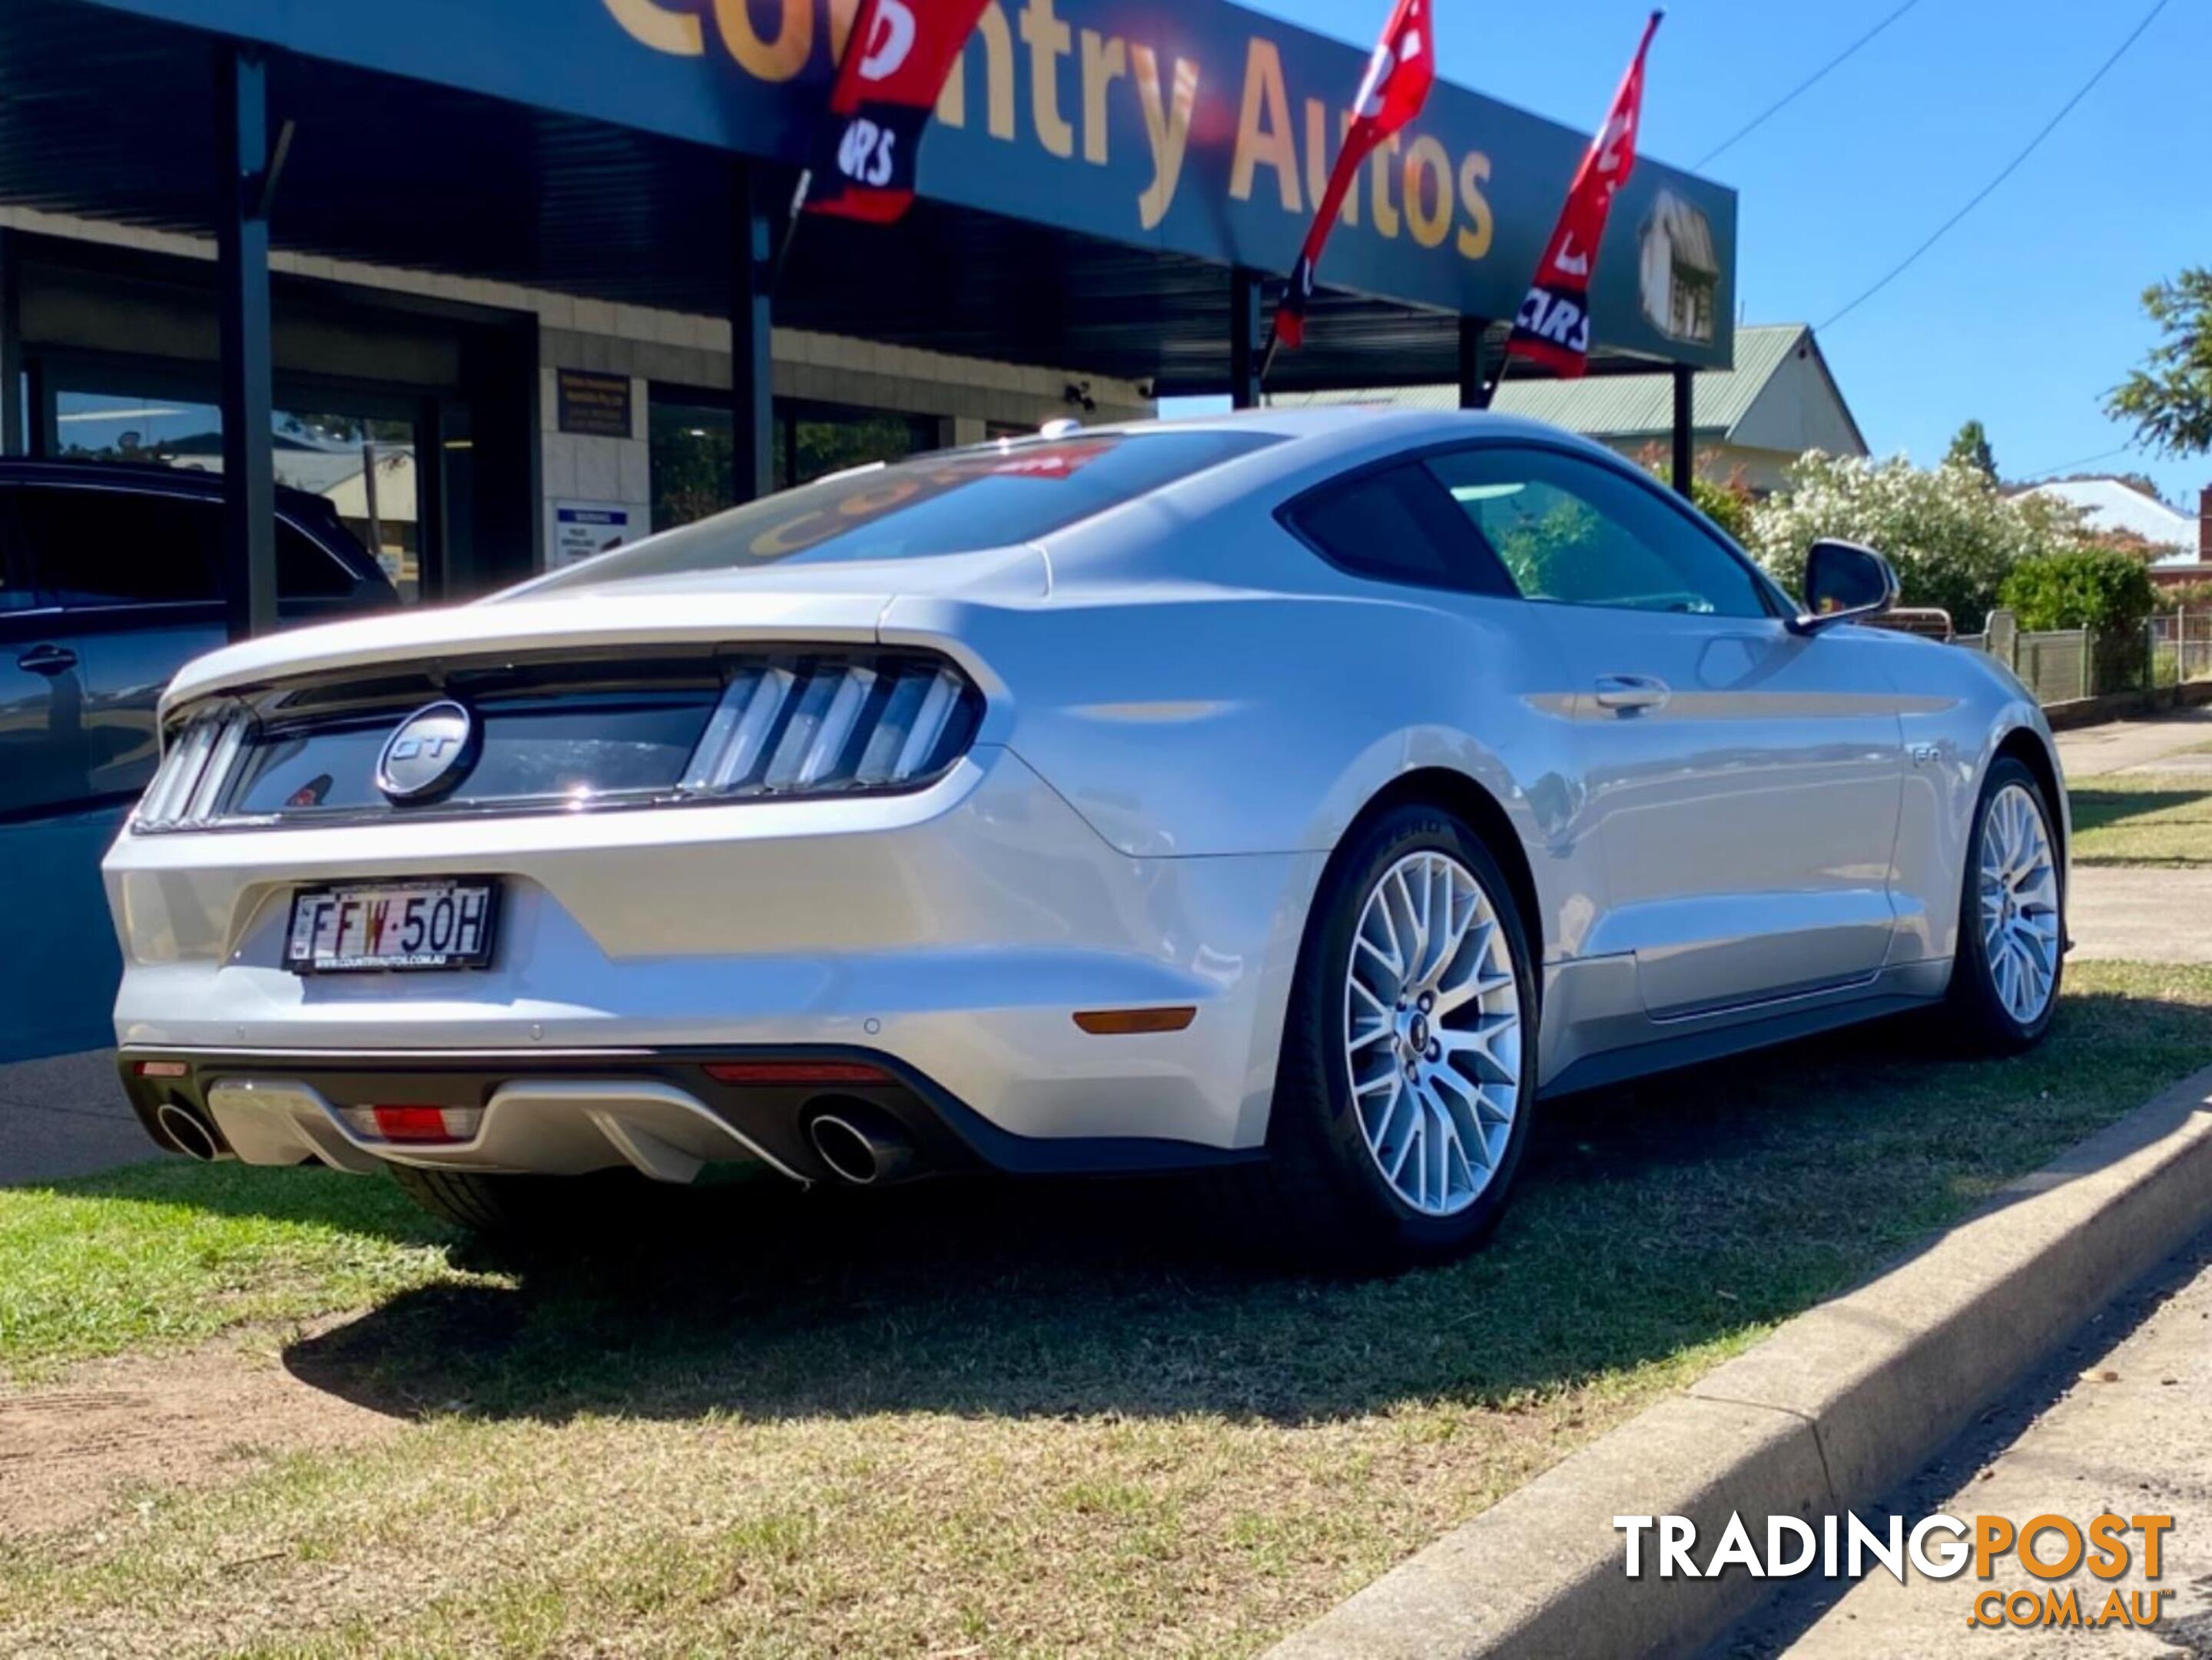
x=1654 y=1223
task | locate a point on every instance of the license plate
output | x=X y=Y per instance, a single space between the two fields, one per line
x=392 y=926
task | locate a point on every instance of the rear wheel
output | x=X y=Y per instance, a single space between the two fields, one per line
x=2012 y=918
x=1404 y=1098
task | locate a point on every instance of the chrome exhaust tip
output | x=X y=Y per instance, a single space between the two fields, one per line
x=859 y=1153
x=188 y=1133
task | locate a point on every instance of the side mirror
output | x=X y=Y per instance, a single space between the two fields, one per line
x=1844 y=582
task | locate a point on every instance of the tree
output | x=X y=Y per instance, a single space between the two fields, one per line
x=2169 y=398
x=1950 y=536
x=1970 y=448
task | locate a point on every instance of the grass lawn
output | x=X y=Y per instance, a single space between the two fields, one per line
x=1042 y=1420
x=2152 y=818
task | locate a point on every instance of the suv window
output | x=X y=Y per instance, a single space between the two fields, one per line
x=306 y=570
x=92 y=546
x=1580 y=534
x=1397 y=525
x=105 y=547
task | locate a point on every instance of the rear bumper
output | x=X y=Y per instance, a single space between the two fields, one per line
x=955 y=933
x=662 y=1113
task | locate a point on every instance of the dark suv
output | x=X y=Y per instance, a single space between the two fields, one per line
x=109 y=581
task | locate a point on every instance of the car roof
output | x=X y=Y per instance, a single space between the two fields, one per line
x=196 y=483
x=1357 y=426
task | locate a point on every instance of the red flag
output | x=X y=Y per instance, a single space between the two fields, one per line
x=1553 y=325
x=896 y=61
x=1397 y=84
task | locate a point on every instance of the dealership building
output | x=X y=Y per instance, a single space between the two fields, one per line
x=504 y=280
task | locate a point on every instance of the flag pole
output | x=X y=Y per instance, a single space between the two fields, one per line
x=791 y=230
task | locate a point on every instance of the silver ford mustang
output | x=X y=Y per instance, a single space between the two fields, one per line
x=1306 y=795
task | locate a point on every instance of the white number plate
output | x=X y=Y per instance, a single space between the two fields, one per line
x=397 y=926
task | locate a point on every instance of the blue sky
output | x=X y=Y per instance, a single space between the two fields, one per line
x=2028 y=311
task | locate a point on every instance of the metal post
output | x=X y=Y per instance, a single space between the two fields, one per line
x=370 y=502
x=249 y=462
x=752 y=372
x=1685 y=459
x=14 y=439
x=1244 y=338
x=1474 y=383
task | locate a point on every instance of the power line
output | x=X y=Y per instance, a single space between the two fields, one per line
x=1800 y=89
x=2009 y=168
x=2087 y=460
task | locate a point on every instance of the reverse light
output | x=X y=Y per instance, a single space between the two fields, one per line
x=418 y=1126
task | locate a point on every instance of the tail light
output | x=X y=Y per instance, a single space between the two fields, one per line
x=188 y=786
x=825 y=725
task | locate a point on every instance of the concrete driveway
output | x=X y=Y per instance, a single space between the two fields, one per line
x=2123 y=914
x=2118 y=745
x=66 y=1116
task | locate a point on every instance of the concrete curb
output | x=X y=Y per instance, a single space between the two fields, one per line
x=1831 y=1411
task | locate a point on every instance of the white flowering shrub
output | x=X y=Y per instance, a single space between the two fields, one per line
x=1951 y=537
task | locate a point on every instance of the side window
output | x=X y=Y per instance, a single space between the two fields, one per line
x=1578 y=534
x=1397 y=526
x=108 y=547
x=17 y=591
x=306 y=570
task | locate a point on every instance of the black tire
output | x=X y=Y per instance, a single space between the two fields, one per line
x=522 y=1210
x=1321 y=1198
x=1978 y=1016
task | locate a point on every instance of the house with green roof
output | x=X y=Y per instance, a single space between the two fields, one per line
x=1749 y=422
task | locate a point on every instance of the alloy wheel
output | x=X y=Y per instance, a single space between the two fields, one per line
x=2019 y=904
x=1433 y=1032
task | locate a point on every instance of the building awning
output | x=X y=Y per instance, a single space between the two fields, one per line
x=1082 y=217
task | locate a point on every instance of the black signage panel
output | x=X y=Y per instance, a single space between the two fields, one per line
x=1196 y=128
x=596 y=405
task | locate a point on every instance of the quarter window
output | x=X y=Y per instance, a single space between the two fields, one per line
x=1578 y=534
x=1396 y=524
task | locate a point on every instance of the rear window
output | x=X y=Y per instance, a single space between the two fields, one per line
x=993 y=495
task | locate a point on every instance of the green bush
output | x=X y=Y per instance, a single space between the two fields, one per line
x=1727 y=505
x=2106 y=590
x=1727 y=501
x=2101 y=589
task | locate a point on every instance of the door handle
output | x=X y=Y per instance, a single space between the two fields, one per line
x=47 y=659
x=1626 y=694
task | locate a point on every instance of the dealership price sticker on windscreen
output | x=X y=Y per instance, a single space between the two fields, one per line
x=392 y=926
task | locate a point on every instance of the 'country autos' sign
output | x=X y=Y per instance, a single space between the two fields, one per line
x=1195 y=127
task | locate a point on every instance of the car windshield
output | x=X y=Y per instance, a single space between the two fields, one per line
x=992 y=495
